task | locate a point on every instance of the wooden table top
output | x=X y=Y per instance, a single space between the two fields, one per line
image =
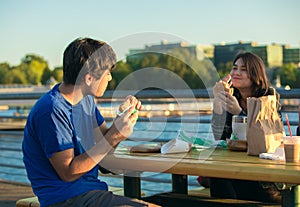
x=212 y=162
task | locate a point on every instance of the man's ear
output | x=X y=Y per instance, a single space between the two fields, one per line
x=88 y=79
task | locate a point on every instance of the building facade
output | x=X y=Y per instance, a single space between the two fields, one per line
x=291 y=55
x=272 y=55
x=199 y=51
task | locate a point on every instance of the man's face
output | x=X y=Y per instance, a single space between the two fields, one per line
x=99 y=86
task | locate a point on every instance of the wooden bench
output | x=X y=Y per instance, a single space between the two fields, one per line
x=33 y=201
x=196 y=197
x=28 y=202
x=179 y=200
x=201 y=197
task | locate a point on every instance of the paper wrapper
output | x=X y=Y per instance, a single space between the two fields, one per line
x=264 y=126
x=277 y=155
x=175 y=146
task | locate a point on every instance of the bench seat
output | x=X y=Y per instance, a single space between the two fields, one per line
x=33 y=201
x=28 y=202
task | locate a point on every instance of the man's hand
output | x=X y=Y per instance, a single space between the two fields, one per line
x=130 y=101
x=122 y=126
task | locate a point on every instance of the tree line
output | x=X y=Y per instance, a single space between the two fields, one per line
x=33 y=70
x=196 y=73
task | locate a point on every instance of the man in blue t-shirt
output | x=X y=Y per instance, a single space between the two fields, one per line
x=65 y=136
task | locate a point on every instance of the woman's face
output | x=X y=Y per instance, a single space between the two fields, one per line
x=239 y=76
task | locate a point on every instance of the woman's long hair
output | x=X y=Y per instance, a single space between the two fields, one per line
x=256 y=70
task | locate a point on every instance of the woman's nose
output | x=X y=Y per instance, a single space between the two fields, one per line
x=236 y=71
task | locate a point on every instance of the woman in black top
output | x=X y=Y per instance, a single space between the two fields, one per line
x=248 y=79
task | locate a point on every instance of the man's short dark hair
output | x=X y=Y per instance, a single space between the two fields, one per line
x=86 y=55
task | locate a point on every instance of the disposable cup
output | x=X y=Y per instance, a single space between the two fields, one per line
x=291 y=148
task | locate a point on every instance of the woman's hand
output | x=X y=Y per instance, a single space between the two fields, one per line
x=219 y=98
x=219 y=91
x=232 y=105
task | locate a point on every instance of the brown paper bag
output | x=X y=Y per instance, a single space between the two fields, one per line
x=264 y=125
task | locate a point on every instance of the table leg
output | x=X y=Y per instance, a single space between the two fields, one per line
x=179 y=184
x=291 y=197
x=132 y=186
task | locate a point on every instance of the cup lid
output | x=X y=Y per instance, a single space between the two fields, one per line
x=239 y=119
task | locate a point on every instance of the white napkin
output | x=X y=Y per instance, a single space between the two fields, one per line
x=277 y=155
x=175 y=146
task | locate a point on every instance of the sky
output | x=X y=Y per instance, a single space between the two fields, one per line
x=46 y=27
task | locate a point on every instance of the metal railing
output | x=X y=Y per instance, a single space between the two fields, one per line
x=150 y=96
x=195 y=93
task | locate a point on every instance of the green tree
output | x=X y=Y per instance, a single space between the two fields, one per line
x=196 y=73
x=4 y=70
x=46 y=76
x=224 y=69
x=58 y=73
x=16 y=76
x=119 y=73
x=34 y=66
x=181 y=61
x=289 y=75
x=149 y=59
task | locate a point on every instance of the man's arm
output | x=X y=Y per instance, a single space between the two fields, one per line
x=70 y=167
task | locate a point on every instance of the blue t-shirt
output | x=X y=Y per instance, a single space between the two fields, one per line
x=55 y=125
